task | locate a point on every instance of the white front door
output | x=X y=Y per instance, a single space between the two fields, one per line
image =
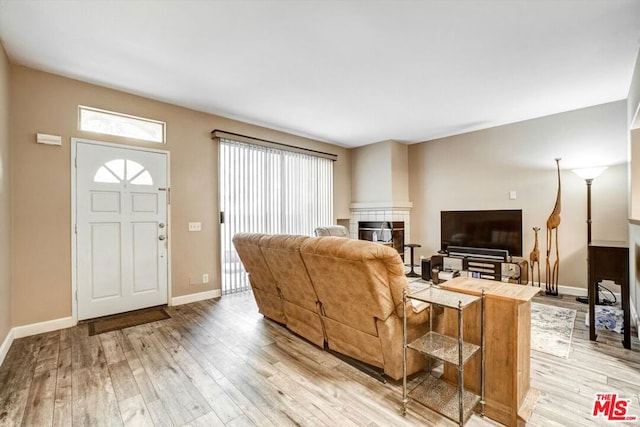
x=121 y=237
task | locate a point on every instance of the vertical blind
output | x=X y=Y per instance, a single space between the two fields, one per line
x=268 y=190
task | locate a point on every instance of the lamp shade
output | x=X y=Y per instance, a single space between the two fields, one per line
x=589 y=173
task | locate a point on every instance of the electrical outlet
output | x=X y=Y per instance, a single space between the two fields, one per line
x=195 y=226
x=205 y=278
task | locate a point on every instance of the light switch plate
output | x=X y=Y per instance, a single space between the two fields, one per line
x=195 y=226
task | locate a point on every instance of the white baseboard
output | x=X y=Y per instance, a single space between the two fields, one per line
x=579 y=292
x=186 y=299
x=68 y=322
x=33 y=329
x=42 y=327
x=571 y=290
x=4 y=348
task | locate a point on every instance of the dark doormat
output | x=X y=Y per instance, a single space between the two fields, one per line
x=126 y=320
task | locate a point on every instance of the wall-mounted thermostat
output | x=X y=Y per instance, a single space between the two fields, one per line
x=43 y=138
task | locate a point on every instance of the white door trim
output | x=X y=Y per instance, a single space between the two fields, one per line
x=74 y=270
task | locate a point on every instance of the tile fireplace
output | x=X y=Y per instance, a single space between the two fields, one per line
x=369 y=217
x=391 y=232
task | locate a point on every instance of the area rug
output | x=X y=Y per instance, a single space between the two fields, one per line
x=551 y=329
x=126 y=320
x=608 y=318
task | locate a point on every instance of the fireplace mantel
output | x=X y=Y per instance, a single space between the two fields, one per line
x=381 y=206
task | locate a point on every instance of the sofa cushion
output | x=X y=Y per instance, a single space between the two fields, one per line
x=354 y=343
x=282 y=254
x=300 y=302
x=262 y=282
x=351 y=279
x=305 y=323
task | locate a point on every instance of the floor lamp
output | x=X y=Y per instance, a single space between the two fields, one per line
x=588 y=174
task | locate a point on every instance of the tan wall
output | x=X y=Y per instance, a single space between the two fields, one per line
x=47 y=103
x=380 y=173
x=477 y=170
x=399 y=172
x=5 y=201
x=371 y=173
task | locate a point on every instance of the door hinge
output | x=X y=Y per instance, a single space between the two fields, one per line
x=76 y=295
x=76 y=162
x=76 y=229
x=221 y=217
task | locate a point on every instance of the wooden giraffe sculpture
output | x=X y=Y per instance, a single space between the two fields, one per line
x=553 y=222
x=534 y=257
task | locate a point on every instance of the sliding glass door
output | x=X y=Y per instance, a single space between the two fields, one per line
x=267 y=190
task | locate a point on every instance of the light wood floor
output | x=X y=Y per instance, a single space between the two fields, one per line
x=219 y=362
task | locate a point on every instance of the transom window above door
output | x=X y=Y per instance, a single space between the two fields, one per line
x=119 y=170
x=119 y=124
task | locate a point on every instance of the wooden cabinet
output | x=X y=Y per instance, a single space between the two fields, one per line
x=507 y=344
x=609 y=260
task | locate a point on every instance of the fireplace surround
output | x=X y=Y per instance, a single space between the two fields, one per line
x=395 y=213
x=390 y=232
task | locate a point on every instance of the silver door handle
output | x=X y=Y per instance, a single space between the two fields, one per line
x=162 y=237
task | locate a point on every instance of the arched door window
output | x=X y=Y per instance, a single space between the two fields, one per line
x=116 y=171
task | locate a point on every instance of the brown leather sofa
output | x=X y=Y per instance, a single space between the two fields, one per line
x=336 y=292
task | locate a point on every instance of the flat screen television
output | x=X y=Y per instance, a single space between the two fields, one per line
x=488 y=229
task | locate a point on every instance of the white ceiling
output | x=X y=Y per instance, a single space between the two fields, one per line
x=347 y=72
